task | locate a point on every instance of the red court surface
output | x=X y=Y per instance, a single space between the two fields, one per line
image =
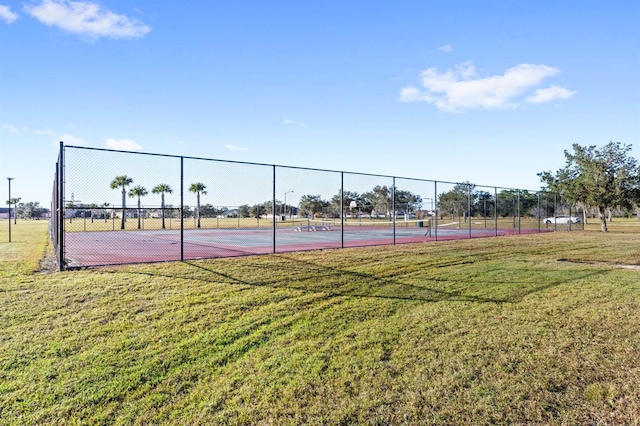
x=86 y=249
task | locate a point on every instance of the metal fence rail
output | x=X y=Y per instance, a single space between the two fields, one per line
x=116 y=207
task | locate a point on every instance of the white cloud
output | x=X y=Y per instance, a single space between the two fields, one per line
x=123 y=144
x=15 y=130
x=446 y=48
x=69 y=139
x=231 y=147
x=411 y=94
x=86 y=18
x=461 y=88
x=7 y=15
x=289 y=122
x=550 y=94
x=26 y=130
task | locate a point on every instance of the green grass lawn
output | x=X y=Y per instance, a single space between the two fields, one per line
x=531 y=329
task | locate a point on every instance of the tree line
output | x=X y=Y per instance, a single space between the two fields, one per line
x=28 y=210
x=378 y=201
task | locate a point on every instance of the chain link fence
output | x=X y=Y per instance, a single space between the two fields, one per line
x=116 y=207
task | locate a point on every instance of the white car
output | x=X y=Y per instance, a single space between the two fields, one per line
x=562 y=219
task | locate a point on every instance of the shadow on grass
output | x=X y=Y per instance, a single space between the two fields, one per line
x=402 y=288
x=312 y=277
x=339 y=283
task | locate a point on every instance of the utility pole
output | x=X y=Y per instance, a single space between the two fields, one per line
x=10 y=179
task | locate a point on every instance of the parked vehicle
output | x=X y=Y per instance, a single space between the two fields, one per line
x=562 y=219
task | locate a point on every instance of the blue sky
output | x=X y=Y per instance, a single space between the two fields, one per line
x=490 y=92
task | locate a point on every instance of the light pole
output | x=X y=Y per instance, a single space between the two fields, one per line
x=285 y=203
x=10 y=179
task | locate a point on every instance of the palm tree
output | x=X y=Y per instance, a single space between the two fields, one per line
x=162 y=189
x=122 y=181
x=198 y=188
x=15 y=202
x=138 y=191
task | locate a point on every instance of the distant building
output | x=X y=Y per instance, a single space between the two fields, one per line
x=230 y=213
x=5 y=212
x=131 y=214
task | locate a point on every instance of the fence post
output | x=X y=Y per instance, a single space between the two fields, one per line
x=393 y=209
x=53 y=218
x=555 y=211
x=569 y=217
x=546 y=208
x=436 y=210
x=518 y=212
x=469 y=208
x=484 y=212
x=539 y=230
x=61 y=180
x=53 y=224
x=273 y=209
x=342 y=209
x=182 y=209
x=495 y=209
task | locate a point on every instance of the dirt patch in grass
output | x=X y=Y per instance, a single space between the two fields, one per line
x=613 y=265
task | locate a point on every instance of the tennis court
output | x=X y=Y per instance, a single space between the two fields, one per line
x=251 y=208
x=121 y=247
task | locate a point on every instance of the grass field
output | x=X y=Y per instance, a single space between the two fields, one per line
x=532 y=329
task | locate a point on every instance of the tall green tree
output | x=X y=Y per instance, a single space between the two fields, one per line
x=507 y=200
x=529 y=204
x=208 y=210
x=484 y=203
x=603 y=178
x=379 y=198
x=138 y=191
x=382 y=199
x=198 y=188
x=456 y=201
x=407 y=201
x=312 y=204
x=122 y=182
x=244 y=210
x=347 y=198
x=257 y=210
x=31 y=210
x=162 y=189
